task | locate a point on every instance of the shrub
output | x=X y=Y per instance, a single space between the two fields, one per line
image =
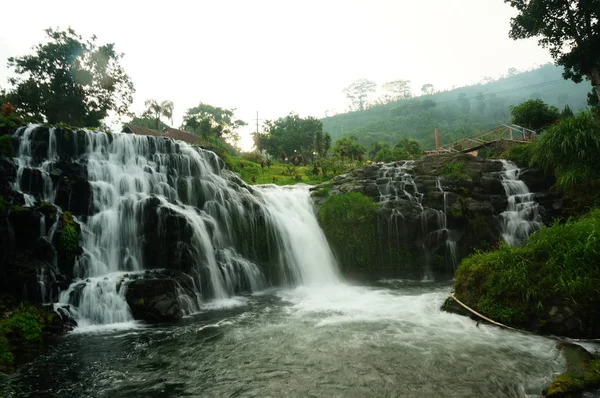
x=350 y=224
x=557 y=265
x=520 y=154
x=454 y=170
x=253 y=157
x=571 y=150
x=534 y=114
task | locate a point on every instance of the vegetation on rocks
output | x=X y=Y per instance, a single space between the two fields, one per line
x=69 y=237
x=583 y=372
x=350 y=224
x=519 y=286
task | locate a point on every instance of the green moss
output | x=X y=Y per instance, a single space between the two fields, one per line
x=19 y=332
x=16 y=209
x=454 y=170
x=518 y=285
x=69 y=237
x=583 y=373
x=350 y=224
x=6 y=147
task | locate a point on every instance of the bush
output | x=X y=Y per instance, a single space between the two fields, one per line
x=454 y=170
x=534 y=114
x=253 y=157
x=21 y=330
x=571 y=150
x=557 y=266
x=521 y=154
x=350 y=224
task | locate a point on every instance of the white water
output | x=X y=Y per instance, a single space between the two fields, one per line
x=127 y=173
x=304 y=253
x=521 y=218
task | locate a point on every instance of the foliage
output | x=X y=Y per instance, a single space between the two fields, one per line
x=23 y=328
x=156 y=110
x=571 y=150
x=350 y=223
x=254 y=157
x=358 y=92
x=454 y=170
x=290 y=135
x=396 y=90
x=348 y=147
x=69 y=237
x=210 y=121
x=417 y=118
x=569 y=29
x=518 y=285
x=147 y=122
x=70 y=80
x=6 y=147
x=8 y=118
x=534 y=114
x=277 y=173
x=322 y=143
x=521 y=154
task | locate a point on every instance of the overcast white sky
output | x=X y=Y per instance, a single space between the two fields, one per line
x=280 y=56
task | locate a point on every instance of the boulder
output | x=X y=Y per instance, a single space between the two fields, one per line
x=153 y=300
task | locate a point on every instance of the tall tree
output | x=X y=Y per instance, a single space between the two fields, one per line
x=358 y=93
x=157 y=110
x=291 y=135
x=534 y=114
x=212 y=121
x=427 y=89
x=396 y=90
x=570 y=29
x=70 y=80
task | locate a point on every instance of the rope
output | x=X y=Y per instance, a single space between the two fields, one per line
x=511 y=328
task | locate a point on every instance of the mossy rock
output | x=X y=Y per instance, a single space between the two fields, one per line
x=583 y=373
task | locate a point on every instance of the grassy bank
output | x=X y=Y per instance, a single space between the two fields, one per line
x=519 y=286
x=276 y=173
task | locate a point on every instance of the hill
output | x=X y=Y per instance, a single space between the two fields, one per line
x=459 y=112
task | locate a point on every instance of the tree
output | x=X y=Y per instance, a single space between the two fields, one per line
x=291 y=134
x=212 y=121
x=534 y=114
x=322 y=143
x=70 y=80
x=156 y=110
x=569 y=29
x=427 y=89
x=358 y=92
x=566 y=112
x=349 y=147
x=593 y=100
x=411 y=147
x=396 y=90
x=146 y=122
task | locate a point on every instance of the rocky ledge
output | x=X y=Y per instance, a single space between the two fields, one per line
x=435 y=210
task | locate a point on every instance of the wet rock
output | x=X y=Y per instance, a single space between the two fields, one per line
x=153 y=300
x=582 y=374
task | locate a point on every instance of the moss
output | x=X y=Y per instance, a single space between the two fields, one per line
x=583 y=373
x=16 y=209
x=454 y=170
x=456 y=211
x=518 y=286
x=322 y=192
x=139 y=302
x=350 y=224
x=6 y=147
x=20 y=332
x=69 y=237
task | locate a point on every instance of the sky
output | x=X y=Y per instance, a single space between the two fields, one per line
x=282 y=56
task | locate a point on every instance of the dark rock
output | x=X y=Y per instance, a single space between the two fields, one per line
x=536 y=180
x=153 y=300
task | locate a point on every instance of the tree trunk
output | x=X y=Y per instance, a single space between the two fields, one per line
x=594 y=76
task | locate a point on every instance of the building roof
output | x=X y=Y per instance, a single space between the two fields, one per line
x=169 y=133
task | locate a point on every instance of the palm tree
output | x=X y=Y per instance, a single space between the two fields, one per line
x=157 y=110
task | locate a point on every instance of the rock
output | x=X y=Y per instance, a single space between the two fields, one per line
x=153 y=300
x=561 y=320
x=582 y=374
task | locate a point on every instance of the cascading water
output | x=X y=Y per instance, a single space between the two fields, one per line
x=303 y=249
x=216 y=220
x=521 y=218
x=443 y=222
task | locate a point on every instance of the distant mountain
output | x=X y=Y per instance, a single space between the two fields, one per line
x=459 y=112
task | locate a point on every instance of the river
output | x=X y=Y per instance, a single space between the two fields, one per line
x=390 y=339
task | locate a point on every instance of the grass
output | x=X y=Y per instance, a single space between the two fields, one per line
x=521 y=154
x=557 y=266
x=278 y=173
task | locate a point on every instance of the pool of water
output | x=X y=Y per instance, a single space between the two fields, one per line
x=388 y=340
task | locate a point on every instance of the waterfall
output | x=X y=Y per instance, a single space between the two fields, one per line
x=521 y=218
x=304 y=252
x=158 y=203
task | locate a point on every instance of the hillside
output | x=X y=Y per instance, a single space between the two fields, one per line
x=459 y=112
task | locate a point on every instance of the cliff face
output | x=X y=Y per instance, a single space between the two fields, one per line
x=436 y=210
